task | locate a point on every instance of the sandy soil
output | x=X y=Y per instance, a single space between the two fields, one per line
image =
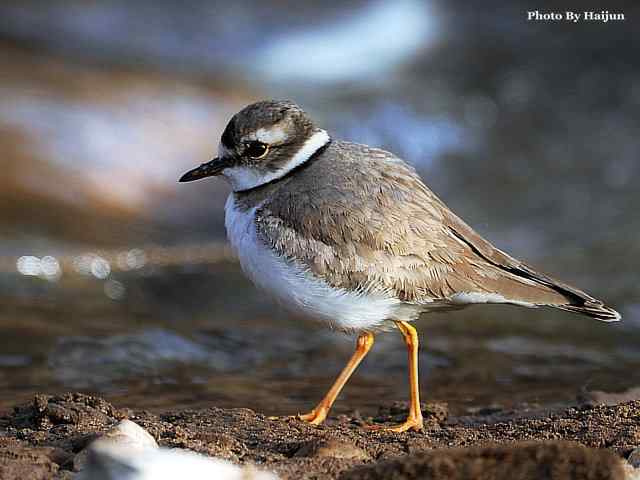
x=40 y=440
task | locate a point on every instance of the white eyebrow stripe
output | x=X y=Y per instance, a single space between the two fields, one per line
x=275 y=134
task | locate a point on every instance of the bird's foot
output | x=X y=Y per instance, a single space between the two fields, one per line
x=414 y=422
x=314 y=417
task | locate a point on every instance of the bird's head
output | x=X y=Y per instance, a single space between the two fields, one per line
x=261 y=143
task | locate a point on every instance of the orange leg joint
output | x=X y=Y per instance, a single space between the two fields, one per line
x=363 y=345
x=414 y=420
x=319 y=413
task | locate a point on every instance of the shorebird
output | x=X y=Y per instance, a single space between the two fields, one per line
x=350 y=235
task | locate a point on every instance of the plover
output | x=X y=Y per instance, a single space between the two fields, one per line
x=350 y=235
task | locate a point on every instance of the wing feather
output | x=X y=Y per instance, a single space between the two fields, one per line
x=367 y=221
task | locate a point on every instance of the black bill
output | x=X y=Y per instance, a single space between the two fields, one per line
x=209 y=169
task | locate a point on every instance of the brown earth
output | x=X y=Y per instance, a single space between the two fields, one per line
x=39 y=440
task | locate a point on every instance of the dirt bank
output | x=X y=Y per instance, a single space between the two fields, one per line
x=40 y=440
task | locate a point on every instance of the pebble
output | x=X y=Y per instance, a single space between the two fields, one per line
x=634 y=458
x=631 y=473
x=117 y=462
x=632 y=469
x=535 y=460
x=126 y=434
x=129 y=452
x=321 y=448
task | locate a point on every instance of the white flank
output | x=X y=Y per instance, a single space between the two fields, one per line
x=297 y=288
x=468 y=298
x=244 y=178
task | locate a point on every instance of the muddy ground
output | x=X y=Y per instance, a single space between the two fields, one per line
x=40 y=440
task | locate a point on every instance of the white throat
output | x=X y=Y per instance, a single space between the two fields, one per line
x=244 y=178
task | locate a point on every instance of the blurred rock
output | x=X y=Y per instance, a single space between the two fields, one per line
x=20 y=461
x=597 y=397
x=128 y=452
x=331 y=448
x=631 y=473
x=71 y=408
x=540 y=461
x=632 y=465
x=126 y=435
x=634 y=458
x=112 y=461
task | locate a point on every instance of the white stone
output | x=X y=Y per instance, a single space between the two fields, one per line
x=126 y=434
x=108 y=461
x=634 y=458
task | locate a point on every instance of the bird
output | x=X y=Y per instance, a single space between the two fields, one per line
x=350 y=235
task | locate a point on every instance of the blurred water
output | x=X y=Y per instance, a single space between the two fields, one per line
x=371 y=41
x=199 y=336
x=114 y=279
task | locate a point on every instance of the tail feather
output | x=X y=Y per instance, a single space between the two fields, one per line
x=577 y=300
x=558 y=294
x=596 y=310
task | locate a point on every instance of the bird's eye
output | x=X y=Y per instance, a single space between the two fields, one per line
x=256 y=149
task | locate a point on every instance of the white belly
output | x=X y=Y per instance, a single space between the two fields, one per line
x=296 y=288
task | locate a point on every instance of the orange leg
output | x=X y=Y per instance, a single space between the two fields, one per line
x=414 y=420
x=318 y=414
